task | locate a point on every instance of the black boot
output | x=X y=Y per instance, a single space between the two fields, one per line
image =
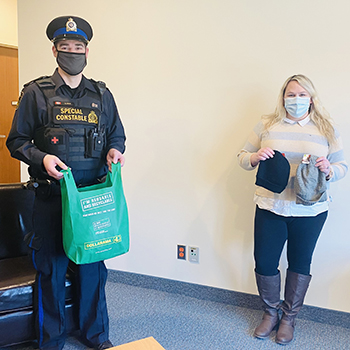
x=269 y=291
x=294 y=294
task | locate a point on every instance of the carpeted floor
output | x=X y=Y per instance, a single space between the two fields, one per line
x=181 y=316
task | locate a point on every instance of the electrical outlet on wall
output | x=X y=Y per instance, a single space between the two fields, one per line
x=181 y=252
x=193 y=254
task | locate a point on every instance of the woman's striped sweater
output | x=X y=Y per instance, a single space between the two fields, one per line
x=294 y=139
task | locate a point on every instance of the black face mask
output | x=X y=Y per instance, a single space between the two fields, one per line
x=71 y=62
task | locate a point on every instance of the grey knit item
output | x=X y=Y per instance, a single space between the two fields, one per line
x=310 y=183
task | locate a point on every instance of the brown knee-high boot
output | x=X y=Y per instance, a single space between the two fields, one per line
x=294 y=294
x=269 y=291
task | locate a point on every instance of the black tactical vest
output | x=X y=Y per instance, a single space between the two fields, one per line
x=76 y=130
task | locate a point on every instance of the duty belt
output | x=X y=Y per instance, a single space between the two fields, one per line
x=43 y=188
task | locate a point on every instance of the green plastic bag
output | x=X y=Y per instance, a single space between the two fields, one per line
x=94 y=218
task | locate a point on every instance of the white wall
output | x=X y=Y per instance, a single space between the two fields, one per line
x=8 y=22
x=191 y=79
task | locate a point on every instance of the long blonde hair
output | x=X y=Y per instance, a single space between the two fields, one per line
x=318 y=113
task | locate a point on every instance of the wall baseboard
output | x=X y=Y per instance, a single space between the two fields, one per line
x=251 y=301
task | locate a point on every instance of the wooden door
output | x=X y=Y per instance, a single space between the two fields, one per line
x=9 y=167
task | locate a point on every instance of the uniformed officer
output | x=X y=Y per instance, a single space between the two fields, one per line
x=66 y=120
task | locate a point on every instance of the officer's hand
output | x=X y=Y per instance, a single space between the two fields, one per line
x=114 y=156
x=50 y=163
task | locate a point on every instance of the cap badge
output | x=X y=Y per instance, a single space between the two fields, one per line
x=71 y=26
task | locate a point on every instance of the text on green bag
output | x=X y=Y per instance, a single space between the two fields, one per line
x=102 y=242
x=97 y=201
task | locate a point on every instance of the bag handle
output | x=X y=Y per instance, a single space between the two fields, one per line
x=112 y=177
x=69 y=180
x=116 y=169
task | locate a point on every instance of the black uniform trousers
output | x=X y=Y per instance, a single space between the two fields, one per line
x=51 y=265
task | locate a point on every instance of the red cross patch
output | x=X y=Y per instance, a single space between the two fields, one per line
x=56 y=139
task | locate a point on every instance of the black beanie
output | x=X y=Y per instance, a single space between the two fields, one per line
x=273 y=173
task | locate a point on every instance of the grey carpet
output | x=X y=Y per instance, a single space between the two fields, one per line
x=182 y=316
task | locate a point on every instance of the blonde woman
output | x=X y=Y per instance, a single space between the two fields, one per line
x=300 y=125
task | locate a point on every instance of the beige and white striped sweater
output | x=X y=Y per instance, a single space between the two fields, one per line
x=294 y=140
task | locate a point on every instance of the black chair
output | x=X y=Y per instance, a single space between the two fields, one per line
x=17 y=273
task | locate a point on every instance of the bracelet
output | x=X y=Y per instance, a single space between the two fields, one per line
x=330 y=174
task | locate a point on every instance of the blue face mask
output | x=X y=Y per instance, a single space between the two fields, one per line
x=297 y=106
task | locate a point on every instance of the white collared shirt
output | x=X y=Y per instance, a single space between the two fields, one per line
x=302 y=122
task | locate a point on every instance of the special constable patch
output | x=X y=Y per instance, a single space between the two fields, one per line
x=93 y=118
x=75 y=115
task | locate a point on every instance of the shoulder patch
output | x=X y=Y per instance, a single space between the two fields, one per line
x=20 y=98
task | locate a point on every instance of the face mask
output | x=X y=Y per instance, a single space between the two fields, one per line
x=71 y=62
x=297 y=106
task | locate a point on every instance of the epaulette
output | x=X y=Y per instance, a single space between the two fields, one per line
x=45 y=80
x=46 y=86
x=101 y=86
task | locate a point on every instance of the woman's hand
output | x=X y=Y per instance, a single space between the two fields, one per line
x=323 y=164
x=262 y=154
